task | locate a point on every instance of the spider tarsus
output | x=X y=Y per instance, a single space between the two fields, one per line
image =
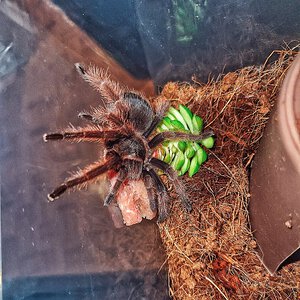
x=81 y=114
x=80 y=69
x=50 y=198
x=57 y=192
x=52 y=136
x=45 y=137
x=84 y=115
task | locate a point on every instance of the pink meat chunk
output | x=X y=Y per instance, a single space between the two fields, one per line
x=133 y=202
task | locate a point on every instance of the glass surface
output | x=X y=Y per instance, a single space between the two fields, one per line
x=68 y=249
x=114 y=25
x=176 y=39
x=203 y=38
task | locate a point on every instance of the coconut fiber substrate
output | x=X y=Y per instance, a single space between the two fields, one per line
x=211 y=252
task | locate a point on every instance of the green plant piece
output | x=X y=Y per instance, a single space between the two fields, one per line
x=173 y=147
x=178 y=161
x=167 y=158
x=190 y=151
x=187 y=115
x=197 y=124
x=201 y=156
x=185 y=166
x=196 y=146
x=167 y=122
x=163 y=127
x=194 y=167
x=161 y=152
x=208 y=142
x=183 y=156
x=182 y=145
x=170 y=116
x=177 y=125
x=178 y=116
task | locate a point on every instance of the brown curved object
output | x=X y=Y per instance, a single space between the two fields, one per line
x=275 y=178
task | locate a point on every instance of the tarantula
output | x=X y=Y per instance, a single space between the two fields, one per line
x=124 y=124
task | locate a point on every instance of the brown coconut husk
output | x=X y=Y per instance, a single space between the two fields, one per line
x=211 y=253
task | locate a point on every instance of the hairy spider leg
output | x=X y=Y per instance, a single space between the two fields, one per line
x=99 y=80
x=122 y=175
x=83 y=135
x=84 y=176
x=178 y=185
x=163 y=108
x=148 y=181
x=163 y=198
x=178 y=135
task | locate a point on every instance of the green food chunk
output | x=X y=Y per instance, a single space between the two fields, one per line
x=167 y=157
x=187 y=115
x=177 y=125
x=173 y=147
x=182 y=145
x=169 y=115
x=161 y=153
x=163 y=127
x=197 y=124
x=178 y=161
x=208 y=142
x=201 y=156
x=185 y=166
x=183 y=156
x=194 y=167
x=195 y=146
x=190 y=151
x=167 y=122
x=178 y=116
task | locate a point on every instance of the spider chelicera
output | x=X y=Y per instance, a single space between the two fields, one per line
x=125 y=124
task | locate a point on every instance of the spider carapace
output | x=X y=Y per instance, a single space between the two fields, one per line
x=125 y=124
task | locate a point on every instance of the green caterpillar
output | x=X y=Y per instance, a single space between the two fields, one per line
x=183 y=156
